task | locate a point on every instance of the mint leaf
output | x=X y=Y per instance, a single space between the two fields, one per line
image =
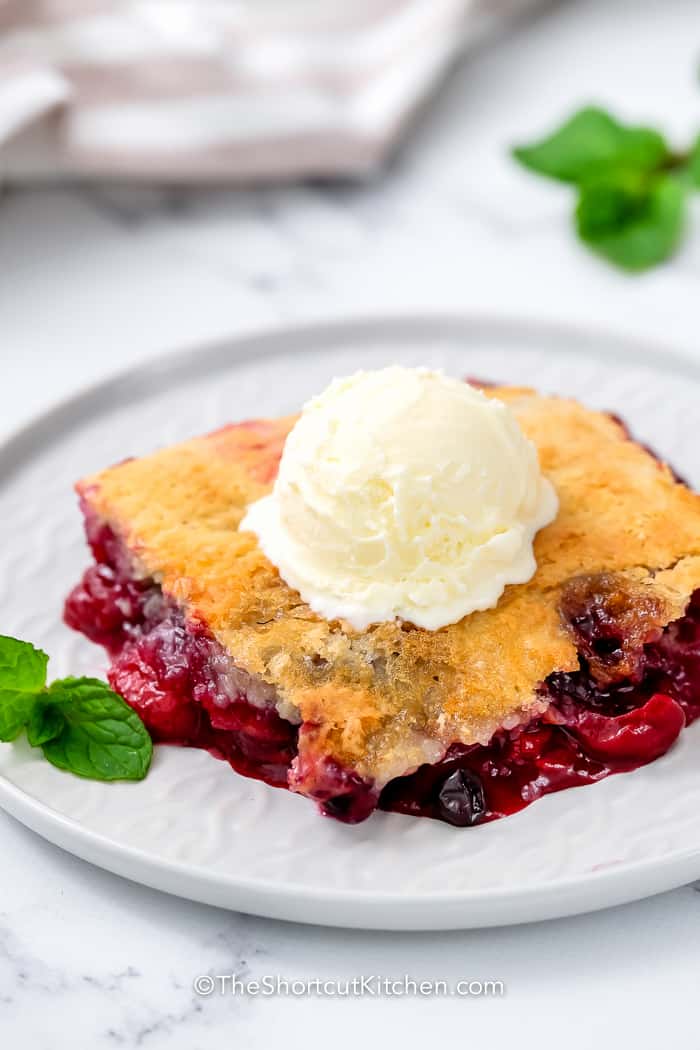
x=694 y=164
x=22 y=667
x=15 y=711
x=592 y=143
x=22 y=679
x=102 y=738
x=45 y=722
x=633 y=221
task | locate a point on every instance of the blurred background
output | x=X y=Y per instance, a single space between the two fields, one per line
x=175 y=172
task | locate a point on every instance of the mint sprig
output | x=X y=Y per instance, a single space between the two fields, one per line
x=632 y=188
x=80 y=724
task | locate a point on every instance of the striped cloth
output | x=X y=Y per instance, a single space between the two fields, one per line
x=183 y=90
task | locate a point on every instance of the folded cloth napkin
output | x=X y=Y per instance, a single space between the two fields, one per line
x=184 y=90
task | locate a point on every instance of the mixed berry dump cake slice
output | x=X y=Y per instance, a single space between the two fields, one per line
x=590 y=668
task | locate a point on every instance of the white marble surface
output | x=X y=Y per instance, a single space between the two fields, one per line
x=93 y=280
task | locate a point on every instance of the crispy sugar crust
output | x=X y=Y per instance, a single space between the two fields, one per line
x=386 y=699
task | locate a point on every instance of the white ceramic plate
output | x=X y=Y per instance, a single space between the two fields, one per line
x=194 y=827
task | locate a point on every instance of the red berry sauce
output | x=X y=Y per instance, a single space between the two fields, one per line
x=623 y=708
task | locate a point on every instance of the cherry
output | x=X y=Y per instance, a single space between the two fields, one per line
x=638 y=736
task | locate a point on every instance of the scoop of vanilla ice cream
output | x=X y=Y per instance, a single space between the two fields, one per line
x=403 y=493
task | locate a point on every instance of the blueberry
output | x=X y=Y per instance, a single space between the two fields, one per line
x=461 y=800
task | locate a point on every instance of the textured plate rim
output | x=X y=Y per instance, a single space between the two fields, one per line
x=616 y=884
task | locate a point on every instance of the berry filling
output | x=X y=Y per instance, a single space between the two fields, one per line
x=637 y=686
x=172 y=672
x=592 y=728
